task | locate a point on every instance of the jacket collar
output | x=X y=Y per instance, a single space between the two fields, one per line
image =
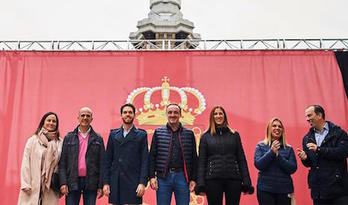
x=122 y=128
x=222 y=130
x=326 y=127
x=131 y=134
x=83 y=134
x=92 y=134
x=332 y=130
x=170 y=129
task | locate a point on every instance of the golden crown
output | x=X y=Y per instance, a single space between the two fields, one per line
x=155 y=114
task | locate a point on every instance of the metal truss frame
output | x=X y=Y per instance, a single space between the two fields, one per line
x=168 y=45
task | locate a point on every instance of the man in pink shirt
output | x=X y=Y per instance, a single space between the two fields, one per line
x=80 y=166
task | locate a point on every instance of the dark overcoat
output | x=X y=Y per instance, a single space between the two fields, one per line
x=126 y=165
x=328 y=176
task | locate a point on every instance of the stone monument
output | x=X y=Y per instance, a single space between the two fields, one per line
x=165 y=22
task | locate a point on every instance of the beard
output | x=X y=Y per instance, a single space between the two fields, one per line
x=128 y=121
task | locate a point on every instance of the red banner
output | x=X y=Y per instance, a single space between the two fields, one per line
x=253 y=86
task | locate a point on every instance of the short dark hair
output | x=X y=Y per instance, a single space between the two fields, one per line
x=128 y=105
x=42 y=122
x=318 y=109
x=175 y=104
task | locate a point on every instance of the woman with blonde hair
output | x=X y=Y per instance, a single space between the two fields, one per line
x=275 y=160
x=40 y=161
x=222 y=166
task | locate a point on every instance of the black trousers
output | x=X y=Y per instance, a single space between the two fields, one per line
x=343 y=200
x=267 y=198
x=215 y=188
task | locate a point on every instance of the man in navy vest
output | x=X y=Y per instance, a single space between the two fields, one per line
x=325 y=149
x=173 y=160
x=126 y=161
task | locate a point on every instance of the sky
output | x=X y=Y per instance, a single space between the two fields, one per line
x=220 y=19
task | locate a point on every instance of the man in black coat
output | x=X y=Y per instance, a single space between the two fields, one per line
x=80 y=166
x=126 y=161
x=325 y=149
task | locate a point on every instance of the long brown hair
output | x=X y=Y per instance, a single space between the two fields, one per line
x=268 y=136
x=42 y=122
x=212 y=124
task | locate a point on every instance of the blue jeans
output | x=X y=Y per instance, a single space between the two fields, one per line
x=174 y=182
x=89 y=196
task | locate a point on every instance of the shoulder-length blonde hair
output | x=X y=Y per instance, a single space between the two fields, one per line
x=268 y=136
x=212 y=124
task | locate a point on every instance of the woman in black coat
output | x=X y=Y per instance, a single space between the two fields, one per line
x=222 y=167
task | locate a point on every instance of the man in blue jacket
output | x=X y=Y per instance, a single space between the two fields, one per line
x=173 y=159
x=325 y=149
x=126 y=161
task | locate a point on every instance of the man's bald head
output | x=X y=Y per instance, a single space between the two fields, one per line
x=85 y=117
x=85 y=109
